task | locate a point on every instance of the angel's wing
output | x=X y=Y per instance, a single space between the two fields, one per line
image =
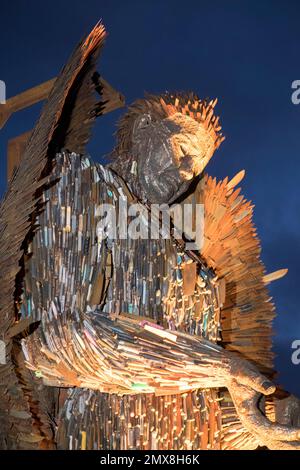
x=65 y=121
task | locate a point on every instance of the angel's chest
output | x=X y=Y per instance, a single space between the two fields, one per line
x=153 y=279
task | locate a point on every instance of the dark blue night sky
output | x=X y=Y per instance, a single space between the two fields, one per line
x=246 y=53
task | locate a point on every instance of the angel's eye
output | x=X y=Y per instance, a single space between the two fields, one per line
x=144 y=122
x=140 y=125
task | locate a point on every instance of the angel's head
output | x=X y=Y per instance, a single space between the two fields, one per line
x=164 y=142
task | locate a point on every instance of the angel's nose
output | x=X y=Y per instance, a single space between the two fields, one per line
x=189 y=147
x=186 y=168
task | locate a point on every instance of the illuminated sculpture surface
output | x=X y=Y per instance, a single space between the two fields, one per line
x=161 y=347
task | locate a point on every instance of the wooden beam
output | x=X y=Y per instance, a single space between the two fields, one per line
x=115 y=100
x=40 y=92
x=16 y=146
x=15 y=150
x=24 y=100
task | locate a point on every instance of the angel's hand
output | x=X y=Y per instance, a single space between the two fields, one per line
x=125 y=354
x=245 y=386
x=243 y=372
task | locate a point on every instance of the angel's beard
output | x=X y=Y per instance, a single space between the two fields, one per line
x=162 y=188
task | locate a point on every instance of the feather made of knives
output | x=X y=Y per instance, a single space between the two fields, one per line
x=66 y=119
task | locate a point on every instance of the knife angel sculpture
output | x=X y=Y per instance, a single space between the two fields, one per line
x=116 y=338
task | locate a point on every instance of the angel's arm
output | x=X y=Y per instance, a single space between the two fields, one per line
x=75 y=345
x=65 y=279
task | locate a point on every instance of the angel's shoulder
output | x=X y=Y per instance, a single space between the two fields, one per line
x=70 y=166
x=73 y=174
x=73 y=165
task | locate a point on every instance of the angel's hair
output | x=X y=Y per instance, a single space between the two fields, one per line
x=162 y=106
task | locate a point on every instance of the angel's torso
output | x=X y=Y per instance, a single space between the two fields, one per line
x=147 y=278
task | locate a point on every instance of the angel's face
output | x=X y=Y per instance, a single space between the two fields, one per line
x=170 y=153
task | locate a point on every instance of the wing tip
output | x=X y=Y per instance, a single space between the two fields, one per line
x=95 y=39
